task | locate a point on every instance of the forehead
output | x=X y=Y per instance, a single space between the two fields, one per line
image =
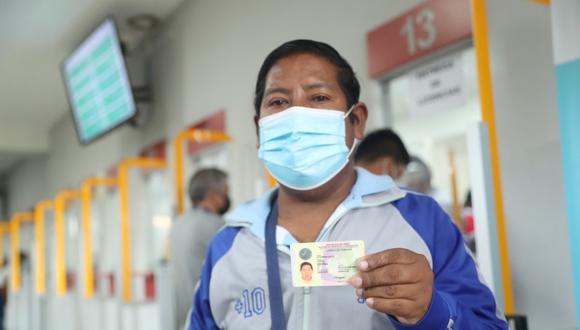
x=302 y=68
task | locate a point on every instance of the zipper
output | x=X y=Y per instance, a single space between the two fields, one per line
x=307 y=291
x=340 y=212
x=306 y=312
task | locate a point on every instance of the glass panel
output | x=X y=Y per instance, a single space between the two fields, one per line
x=73 y=240
x=150 y=208
x=139 y=207
x=106 y=237
x=160 y=217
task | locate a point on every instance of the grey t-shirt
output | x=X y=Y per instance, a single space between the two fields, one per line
x=189 y=238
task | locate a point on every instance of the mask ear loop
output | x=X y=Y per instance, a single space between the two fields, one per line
x=349 y=110
x=354 y=144
x=356 y=141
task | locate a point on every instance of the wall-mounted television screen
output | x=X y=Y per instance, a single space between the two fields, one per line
x=97 y=84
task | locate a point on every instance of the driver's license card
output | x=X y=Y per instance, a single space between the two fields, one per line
x=324 y=263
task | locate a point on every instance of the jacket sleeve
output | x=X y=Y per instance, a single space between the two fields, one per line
x=201 y=317
x=460 y=300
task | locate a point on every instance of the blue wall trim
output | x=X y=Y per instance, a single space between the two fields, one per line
x=568 y=92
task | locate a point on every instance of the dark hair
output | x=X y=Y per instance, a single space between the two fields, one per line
x=306 y=263
x=205 y=180
x=382 y=143
x=345 y=75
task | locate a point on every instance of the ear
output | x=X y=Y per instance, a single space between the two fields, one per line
x=257 y=126
x=359 y=117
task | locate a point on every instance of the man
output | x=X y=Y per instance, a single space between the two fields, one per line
x=382 y=152
x=191 y=233
x=306 y=272
x=416 y=274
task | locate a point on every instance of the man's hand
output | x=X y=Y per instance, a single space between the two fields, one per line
x=397 y=282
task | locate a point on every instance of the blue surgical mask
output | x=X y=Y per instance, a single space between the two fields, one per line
x=303 y=148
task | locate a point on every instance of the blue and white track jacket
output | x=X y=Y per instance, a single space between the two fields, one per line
x=233 y=288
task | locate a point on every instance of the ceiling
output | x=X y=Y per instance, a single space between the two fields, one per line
x=35 y=36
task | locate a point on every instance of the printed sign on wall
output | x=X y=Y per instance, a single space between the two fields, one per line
x=438 y=86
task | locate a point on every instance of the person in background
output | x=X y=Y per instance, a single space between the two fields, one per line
x=417 y=177
x=191 y=233
x=382 y=152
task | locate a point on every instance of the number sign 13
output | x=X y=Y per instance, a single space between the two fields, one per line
x=425 y=21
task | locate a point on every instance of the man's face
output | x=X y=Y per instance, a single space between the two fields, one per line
x=225 y=202
x=310 y=81
x=304 y=80
x=219 y=199
x=306 y=272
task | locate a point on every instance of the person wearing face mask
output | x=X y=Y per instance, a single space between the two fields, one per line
x=416 y=273
x=190 y=235
x=382 y=152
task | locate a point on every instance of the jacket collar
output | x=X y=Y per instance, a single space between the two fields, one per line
x=368 y=190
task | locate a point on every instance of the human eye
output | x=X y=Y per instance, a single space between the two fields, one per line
x=277 y=102
x=320 y=98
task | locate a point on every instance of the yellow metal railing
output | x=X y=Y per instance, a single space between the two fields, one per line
x=86 y=200
x=60 y=204
x=197 y=135
x=85 y=195
x=40 y=245
x=124 y=167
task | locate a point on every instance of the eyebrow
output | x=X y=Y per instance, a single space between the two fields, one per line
x=318 y=85
x=287 y=91
x=276 y=90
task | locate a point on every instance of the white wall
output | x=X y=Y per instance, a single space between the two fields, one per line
x=529 y=147
x=26 y=184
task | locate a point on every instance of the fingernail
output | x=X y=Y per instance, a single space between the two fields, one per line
x=356 y=281
x=370 y=302
x=359 y=293
x=363 y=265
